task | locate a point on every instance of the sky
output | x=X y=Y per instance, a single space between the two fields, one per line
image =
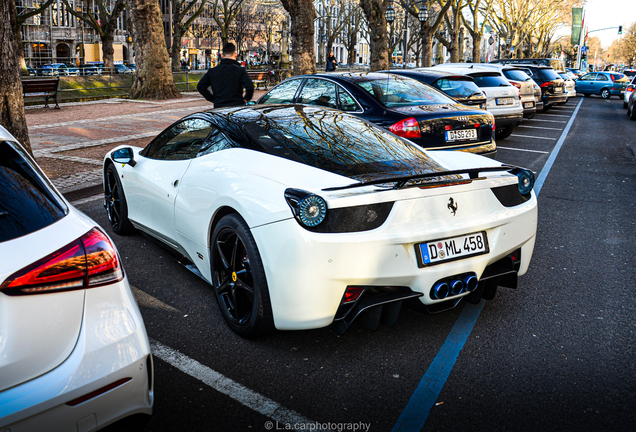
x=609 y=13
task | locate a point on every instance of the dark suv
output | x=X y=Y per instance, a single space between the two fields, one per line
x=551 y=83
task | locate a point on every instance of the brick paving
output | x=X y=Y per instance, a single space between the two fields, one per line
x=70 y=143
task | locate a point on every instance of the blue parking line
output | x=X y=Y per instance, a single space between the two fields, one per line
x=419 y=406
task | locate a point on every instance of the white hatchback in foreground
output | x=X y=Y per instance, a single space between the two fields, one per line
x=74 y=354
x=302 y=217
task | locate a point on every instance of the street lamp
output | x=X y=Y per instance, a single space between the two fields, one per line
x=422 y=15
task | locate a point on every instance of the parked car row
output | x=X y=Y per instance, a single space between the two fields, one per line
x=61 y=69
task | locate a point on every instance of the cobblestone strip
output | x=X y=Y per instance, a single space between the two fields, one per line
x=142 y=114
x=93 y=143
x=79 y=180
x=73 y=159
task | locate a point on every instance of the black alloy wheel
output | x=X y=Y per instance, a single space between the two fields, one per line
x=115 y=203
x=605 y=94
x=239 y=279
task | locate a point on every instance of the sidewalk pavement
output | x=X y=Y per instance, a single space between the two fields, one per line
x=69 y=144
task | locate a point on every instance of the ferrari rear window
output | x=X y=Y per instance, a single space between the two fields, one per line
x=27 y=204
x=338 y=143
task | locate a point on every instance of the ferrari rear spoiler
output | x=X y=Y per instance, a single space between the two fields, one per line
x=400 y=182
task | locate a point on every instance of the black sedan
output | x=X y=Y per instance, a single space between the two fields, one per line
x=551 y=83
x=406 y=107
x=462 y=88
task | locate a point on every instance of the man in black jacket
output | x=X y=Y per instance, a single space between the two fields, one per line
x=227 y=81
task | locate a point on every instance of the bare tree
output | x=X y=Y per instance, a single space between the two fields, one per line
x=302 y=14
x=21 y=15
x=437 y=9
x=101 y=16
x=224 y=13
x=184 y=12
x=12 y=115
x=475 y=28
x=153 y=79
x=354 y=25
x=374 y=11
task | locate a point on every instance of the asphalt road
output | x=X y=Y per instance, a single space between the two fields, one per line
x=556 y=354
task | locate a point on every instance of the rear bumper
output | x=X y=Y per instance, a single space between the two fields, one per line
x=503 y=121
x=553 y=99
x=112 y=346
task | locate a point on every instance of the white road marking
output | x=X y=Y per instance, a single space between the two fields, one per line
x=526 y=150
x=543 y=120
x=539 y=127
x=225 y=385
x=530 y=136
x=86 y=200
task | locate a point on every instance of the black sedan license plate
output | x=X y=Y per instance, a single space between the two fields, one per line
x=451 y=249
x=461 y=135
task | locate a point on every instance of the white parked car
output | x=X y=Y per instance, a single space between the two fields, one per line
x=504 y=99
x=569 y=83
x=303 y=217
x=74 y=354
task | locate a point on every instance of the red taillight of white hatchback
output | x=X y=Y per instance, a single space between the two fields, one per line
x=87 y=262
x=407 y=128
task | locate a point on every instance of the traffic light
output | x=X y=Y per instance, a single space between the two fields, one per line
x=620 y=29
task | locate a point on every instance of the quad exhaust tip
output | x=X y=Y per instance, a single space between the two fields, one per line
x=454 y=285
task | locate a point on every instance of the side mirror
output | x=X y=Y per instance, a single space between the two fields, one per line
x=124 y=156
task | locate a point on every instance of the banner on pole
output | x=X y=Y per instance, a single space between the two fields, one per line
x=577 y=20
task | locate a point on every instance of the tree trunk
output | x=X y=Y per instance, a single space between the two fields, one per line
x=426 y=33
x=108 y=52
x=303 y=15
x=374 y=10
x=352 y=49
x=176 y=47
x=477 y=47
x=153 y=79
x=12 y=115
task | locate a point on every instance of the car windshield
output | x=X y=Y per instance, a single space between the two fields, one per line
x=516 y=75
x=490 y=80
x=395 y=91
x=338 y=143
x=458 y=87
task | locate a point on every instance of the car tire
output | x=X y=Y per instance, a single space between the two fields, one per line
x=586 y=94
x=624 y=104
x=115 y=203
x=502 y=134
x=605 y=94
x=632 y=113
x=238 y=278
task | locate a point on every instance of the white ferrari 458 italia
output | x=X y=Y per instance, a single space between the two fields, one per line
x=303 y=217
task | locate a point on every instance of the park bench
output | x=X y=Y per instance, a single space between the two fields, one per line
x=46 y=88
x=258 y=78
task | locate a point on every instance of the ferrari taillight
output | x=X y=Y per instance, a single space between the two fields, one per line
x=87 y=262
x=407 y=128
